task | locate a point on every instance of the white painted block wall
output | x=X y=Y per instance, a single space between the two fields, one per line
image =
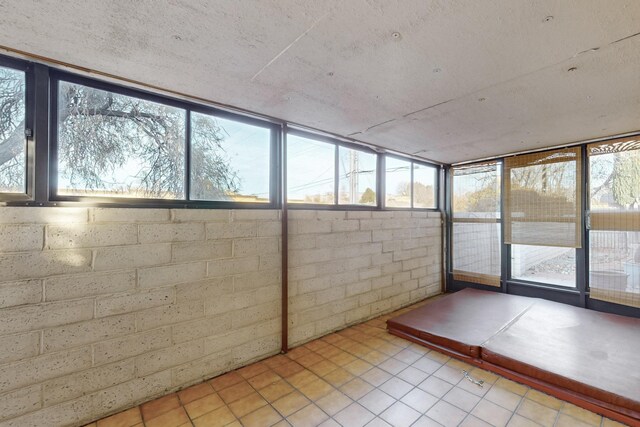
x=104 y=308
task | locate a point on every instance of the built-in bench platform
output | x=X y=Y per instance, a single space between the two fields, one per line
x=586 y=357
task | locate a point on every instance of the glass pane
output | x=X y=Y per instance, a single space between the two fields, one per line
x=12 y=125
x=544 y=264
x=424 y=186
x=614 y=181
x=615 y=266
x=476 y=248
x=311 y=169
x=112 y=145
x=542 y=200
x=357 y=177
x=229 y=160
x=476 y=191
x=398 y=183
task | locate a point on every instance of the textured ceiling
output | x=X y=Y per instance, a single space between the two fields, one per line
x=446 y=80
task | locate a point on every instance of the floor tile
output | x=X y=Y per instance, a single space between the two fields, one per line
x=376 y=401
x=544 y=399
x=504 y=398
x=338 y=377
x=247 y=404
x=159 y=406
x=354 y=415
x=174 y=418
x=436 y=386
x=376 y=376
x=276 y=390
x=195 y=392
x=396 y=387
x=323 y=368
x=492 y=413
x=235 y=392
x=581 y=414
x=226 y=380
x=220 y=417
x=534 y=411
x=316 y=389
x=565 y=420
x=400 y=415
x=127 y=418
x=378 y=422
x=461 y=398
x=407 y=356
x=425 y=421
x=291 y=403
x=264 y=379
x=334 y=402
x=446 y=414
x=263 y=417
x=413 y=375
x=309 y=416
x=203 y=405
x=520 y=421
x=393 y=366
x=419 y=400
x=356 y=388
x=472 y=421
x=427 y=365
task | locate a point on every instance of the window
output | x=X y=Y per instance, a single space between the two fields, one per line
x=357 y=177
x=229 y=160
x=311 y=169
x=424 y=186
x=476 y=247
x=397 y=183
x=113 y=145
x=410 y=184
x=614 y=236
x=552 y=265
x=12 y=131
x=542 y=200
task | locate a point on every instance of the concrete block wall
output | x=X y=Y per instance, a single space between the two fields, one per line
x=101 y=309
x=346 y=267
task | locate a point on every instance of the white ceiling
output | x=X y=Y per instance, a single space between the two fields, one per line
x=446 y=80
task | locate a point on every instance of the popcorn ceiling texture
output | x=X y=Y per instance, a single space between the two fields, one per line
x=101 y=309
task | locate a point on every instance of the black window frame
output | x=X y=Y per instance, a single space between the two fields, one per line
x=29 y=167
x=412 y=162
x=56 y=76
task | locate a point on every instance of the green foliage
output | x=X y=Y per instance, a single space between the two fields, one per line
x=626 y=179
x=368 y=197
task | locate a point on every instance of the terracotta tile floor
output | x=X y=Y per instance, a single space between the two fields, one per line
x=360 y=376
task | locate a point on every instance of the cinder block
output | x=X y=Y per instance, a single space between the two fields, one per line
x=233 y=230
x=255 y=215
x=302 y=214
x=176 y=232
x=74 y=335
x=44 y=315
x=270 y=262
x=345 y=225
x=358 y=288
x=131 y=345
x=30 y=215
x=19 y=402
x=269 y=228
x=257 y=279
x=358 y=315
x=201 y=328
x=204 y=290
x=131 y=302
x=81 y=383
x=90 y=235
x=255 y=246
x=201 y=215
x=122 y=257
x=231 y=266
x=19 y=346
x=205 y=368
x=168 y=315
x=310 y=227
x=18 y=238
x=169 y=357
x=168 y=275
x=32 y=265
x=84 y=285
x=359 y=214
x=330 y=215
x=20 y=293
x=35 y=370
x=130 y=215
x=200 y=251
